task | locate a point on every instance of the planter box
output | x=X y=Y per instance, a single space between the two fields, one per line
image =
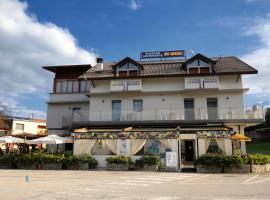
x=5 y=166
x=258 y=168
x=238 y=170
x=81 y=166
x=148 y=168
x=117 y=167
x=27 y=166
x=52 y=166
x=210 y=170
x=267 y=168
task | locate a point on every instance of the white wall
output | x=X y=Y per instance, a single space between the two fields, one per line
x=29 y=126
x=56 y=112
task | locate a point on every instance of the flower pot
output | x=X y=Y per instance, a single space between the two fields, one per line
x=39 y=166
x=52 y=166
x=147 y=168
x=27 y=166
x=267 y=168
x=209 y=169
x=78 y=166
x=117 y=167
x=5 y=166
x=237 y=170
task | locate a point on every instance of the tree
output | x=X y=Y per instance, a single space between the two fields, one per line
x=4 y=113
x=267 y=117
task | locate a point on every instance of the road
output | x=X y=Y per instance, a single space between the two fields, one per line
x=73 y=185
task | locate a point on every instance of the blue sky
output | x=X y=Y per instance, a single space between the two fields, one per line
x=122 y=28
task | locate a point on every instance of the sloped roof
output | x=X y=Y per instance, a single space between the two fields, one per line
x=222 y=65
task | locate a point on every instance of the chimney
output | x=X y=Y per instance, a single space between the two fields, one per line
x=99 y=65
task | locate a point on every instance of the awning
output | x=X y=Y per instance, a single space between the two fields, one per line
x=241 y=138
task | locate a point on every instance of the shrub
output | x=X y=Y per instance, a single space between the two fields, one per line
x=118 y=160
x=147 y=160
x=258 y=159
x=81 y=159
x=41 y=157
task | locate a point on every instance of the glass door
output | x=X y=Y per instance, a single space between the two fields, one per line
x=116 y=110
x=189 y=109
x=212 y=108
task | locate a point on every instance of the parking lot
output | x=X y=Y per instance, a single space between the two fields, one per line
x=42 y=185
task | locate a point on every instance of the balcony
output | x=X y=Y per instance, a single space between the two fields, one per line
x=126 y=85
x=208 y=82
x=205 y=114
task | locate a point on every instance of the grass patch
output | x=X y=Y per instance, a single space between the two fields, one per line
x=258 y=147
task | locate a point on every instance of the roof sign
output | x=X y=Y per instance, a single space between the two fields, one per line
x=162 y=54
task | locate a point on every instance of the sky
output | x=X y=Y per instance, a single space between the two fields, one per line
x=36 y=33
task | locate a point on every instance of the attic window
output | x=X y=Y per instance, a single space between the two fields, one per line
x=127 y=69
x=199 y=66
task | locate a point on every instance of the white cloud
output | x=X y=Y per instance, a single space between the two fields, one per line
x=25 y=46
x=259 y=58
x=134 y=4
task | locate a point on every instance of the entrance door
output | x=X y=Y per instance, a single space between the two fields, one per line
x=116 y=110
x=189 y=151
x=212 y=108
x=189 y=109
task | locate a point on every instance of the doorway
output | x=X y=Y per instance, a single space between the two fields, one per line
x=188 y=152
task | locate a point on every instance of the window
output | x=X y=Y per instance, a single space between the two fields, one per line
x=87 y=86
x=19 y=127
x=75 y=86
x=127 y=69
x=137 y=105
x=64 y=87
x=116 y=110
x=69 y=86
x=58 y=87
x=76 y=108
x=82 y=86
x=189 y=109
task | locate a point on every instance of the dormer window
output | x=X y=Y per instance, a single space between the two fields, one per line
x=127 y=67
x=199 y=64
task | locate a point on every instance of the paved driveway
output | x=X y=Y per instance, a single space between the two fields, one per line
x=43 y=185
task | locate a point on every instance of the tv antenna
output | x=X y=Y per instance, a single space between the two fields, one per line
x=95 y=51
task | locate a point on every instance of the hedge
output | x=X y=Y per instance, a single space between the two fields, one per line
x=232 y=161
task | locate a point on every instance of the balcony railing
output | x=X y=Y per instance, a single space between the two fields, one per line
x=168 y=114
x=201 y=82
x=126 y=85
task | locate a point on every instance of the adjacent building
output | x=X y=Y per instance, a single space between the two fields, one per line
x=133 y=108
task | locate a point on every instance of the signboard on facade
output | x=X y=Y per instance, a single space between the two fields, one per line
x=171 y=159
x=162 y=54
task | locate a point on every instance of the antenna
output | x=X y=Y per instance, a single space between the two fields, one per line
x=192 y=52
x=95 y=51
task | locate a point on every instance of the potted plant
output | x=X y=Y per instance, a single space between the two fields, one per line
x=147 y=163
x=26 y=161
x=4 y=164
x=80 y=162
x=258 y=162
x=236 y=164
x=210 y=163
x=119 y=163
x=53 y=161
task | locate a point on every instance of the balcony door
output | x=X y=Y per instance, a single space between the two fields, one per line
x=189 y=109
x=116 y=110
x=212 y=108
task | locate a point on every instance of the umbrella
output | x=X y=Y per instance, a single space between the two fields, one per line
x=51 y=139
x=10 y=139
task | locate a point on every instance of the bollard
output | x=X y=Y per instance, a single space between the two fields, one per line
x=26 y=178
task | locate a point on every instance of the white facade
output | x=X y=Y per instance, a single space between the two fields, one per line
x=32 y=127
x=119 y=101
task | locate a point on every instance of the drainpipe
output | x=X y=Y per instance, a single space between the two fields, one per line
x=178 y=148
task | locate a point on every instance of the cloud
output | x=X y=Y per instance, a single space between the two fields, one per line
x=25 y=46
x=259 y=58
x=134 y=5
